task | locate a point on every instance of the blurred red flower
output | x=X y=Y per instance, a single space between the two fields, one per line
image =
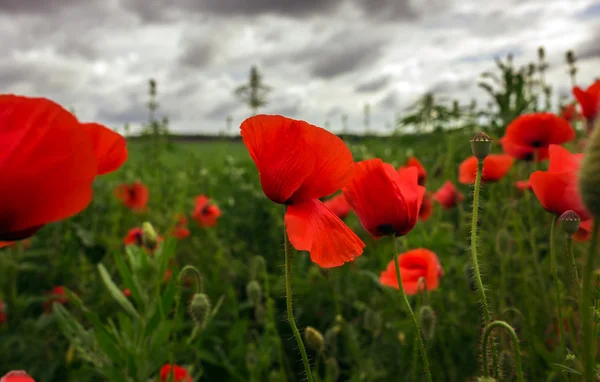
x=26 y=243
x=48 y=161
x=126 y=292
x=421 y=172
x=57 y=294
x=134 y=196
x=386 y=201
x=448 y=196
x=135 y=236
x=495 y=167
x=426 y=209
x=528 y=136
x=181 y=219
x=523 y=185
x=3 y=315
x=414 y=264
x=179 y=374
x=299 y=163
x=205 y=213
x=585 y=230
x=556 y=189
x=16 y=376
x=569 y=112
x=589 y=100
x=339 y=206
x=180 y=232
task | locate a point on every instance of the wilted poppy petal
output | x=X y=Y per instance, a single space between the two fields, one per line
x=109 y=146
x=312 y=227
x=281 y=152
x=47 y=164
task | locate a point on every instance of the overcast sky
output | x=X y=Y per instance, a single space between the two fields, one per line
x=323 y=58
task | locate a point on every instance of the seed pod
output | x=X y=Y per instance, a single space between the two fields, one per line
x=332 y=369
x=589 y=175
x=149 y=236
x=314 y=339
x=200 y=309
x=481 y=144
x=254 y=292
x=427 y=321
x=570 y=221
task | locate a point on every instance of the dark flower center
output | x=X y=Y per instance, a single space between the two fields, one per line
x=138 y=238
x=205 y=209
x=385 y=229
x=537 y=144
x=528 y=157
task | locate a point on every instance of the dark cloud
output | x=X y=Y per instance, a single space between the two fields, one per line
x=134 y=112
x=221 y=111
x=373 y=85
x=388 y=9
x=35 y=6
x=450 y=86
x=197 y=54
x=390 y=101
x=589 y=48
x=45 y=80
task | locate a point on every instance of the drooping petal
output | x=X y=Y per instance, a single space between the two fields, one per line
x=281 y=152
x=339 y=206
x=47 y=164
x=312 y=227
x=109 y=146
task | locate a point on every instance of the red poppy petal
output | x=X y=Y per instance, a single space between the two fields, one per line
x=467 y=170
x=561 y=159
x=280 y=150
x=495 y=167
x=110 y=147
x=333 y=166
x=47 y=163
x=584 y=232
x=585 y=101
x=312 y=227
x=557 y=192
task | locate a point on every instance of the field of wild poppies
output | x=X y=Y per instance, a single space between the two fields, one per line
x=277 y=257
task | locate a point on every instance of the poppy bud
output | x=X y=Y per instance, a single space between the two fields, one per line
x=507 y=364
x=70 y=355
x=331 y=336
x=257 y=264
x=200 y=308
x=402 y=338
x=339 y=319
x=373 y=321
x=589 y=175
x=314 y=339
x=254 y=292
x=481 y=145
x=570 y=221
x=260 y=313
x=17 y=376
x=427 y=322
x=332 y=368
x=149 y=236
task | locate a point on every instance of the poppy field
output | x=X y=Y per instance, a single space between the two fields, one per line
x=277 y=257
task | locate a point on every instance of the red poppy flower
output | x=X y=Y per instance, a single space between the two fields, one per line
x=299 y=163
x=181 y=219
x=126 y=292
x=57 y=294
x=180 y=232
x=421 y=172
x=495 y=167
x=523 y=185
x=167 y=276
x=48 y=163
x=589 y=100
x=448 y=196
x=569 y=112
x=529 y=135
x=339 y=206
x=134 y=196
x=386 y=202
x=426 y=209
x=16 y=376
x=414 y=264
x=585 y=230
x=179 y=374
x=557 y=189
x=3 y=316
x=205 y=213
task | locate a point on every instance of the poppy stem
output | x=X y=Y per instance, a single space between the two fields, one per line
x=486 y=312
x=515 y=341
x=290 y=310
x=419 y=338
x=573 y=262
x=556 y=281
x=585 y=307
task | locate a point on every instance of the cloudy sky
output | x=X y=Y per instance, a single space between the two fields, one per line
x=323 y=58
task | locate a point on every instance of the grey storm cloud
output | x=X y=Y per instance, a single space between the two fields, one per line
x=196 y=53
x=590 y=48
x=373 y=85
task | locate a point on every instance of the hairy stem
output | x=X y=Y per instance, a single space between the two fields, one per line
x=585 y=307
x=419 y=338
x=476 y=272
x=515 y=341
x=290 y=310
x=556 y=282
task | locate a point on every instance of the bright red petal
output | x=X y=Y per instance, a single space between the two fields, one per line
x=46 y=161
x=280 y=149
x=584 y=232
x=467 y=170
x=495 y=167
x=561 y=159
x=312 y=227
x=557 y=192
x=110 y=147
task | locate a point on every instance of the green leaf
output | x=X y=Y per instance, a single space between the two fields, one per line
x=116 y=292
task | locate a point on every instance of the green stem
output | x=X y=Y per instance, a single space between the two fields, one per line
x=556 y=282
x=585 y=307
x=290 y=310
x=572 y=257
x=419 y=338
x=484 y=305
x=515 y=341
x=415 y=361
